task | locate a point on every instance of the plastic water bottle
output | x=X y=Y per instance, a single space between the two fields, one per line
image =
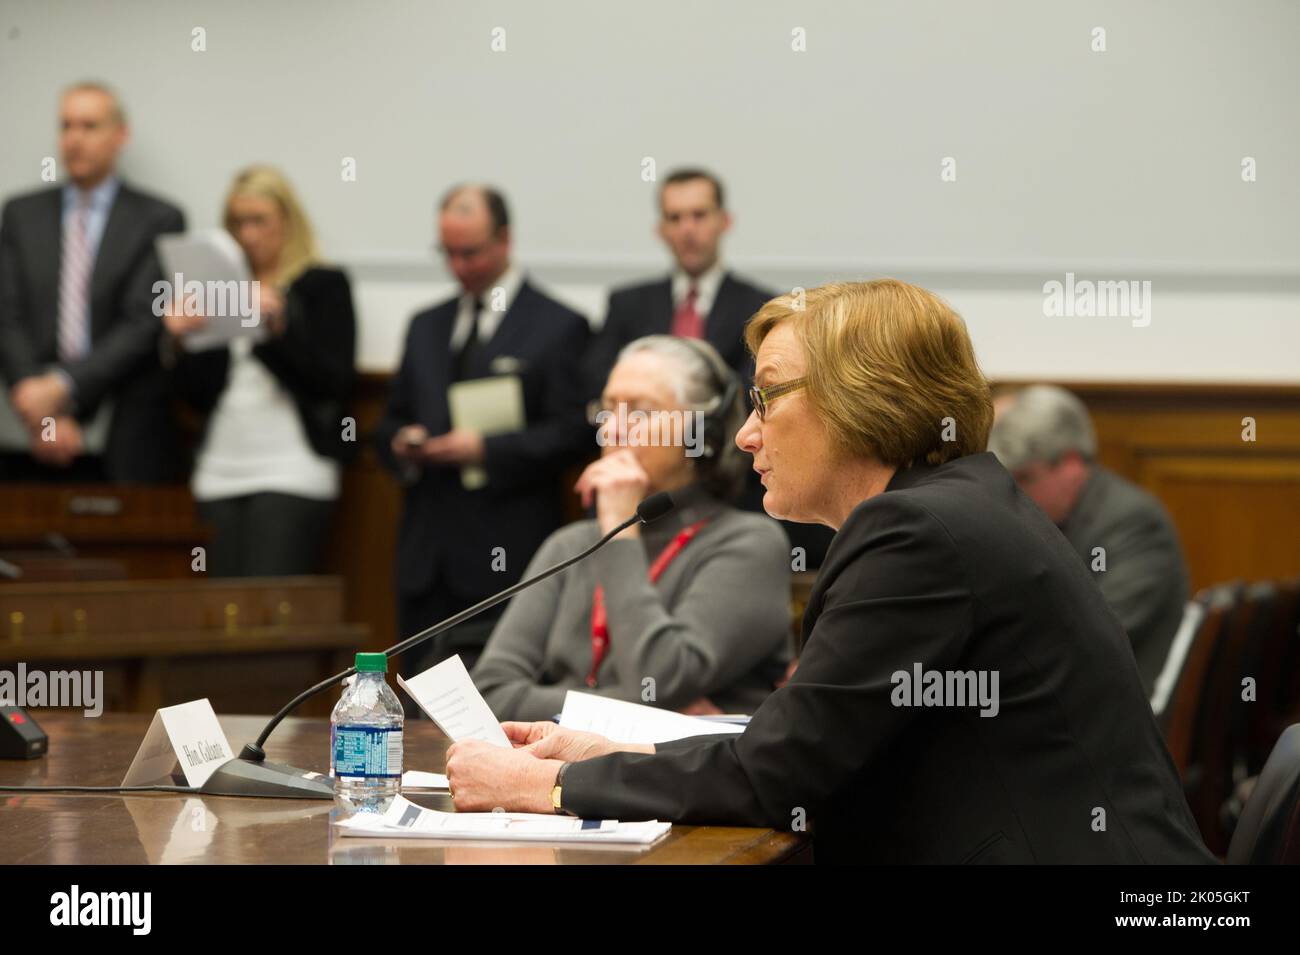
x=366 y=738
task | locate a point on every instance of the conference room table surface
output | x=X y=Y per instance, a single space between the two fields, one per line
x=137 y=828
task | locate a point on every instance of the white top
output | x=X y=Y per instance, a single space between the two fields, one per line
x=706 y=288
x=256 y=441
x=490 y=318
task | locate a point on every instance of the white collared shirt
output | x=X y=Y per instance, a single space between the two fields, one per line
x=489 y=319
x=706 y=288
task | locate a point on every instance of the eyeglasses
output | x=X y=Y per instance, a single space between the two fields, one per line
x=600 y=411
x=762 y=398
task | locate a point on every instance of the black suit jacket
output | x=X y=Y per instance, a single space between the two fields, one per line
x=123 y=360
x=647 y=309
x=448 y=534
x=955 y=569
x=314 y=359
x=1144 y=580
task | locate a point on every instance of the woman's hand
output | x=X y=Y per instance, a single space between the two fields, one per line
x=270 y=307
x=618 y=483
x=483 y=777
x=178 y=323
x=547 y=740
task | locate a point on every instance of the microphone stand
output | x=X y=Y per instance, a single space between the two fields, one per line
x=250 y=774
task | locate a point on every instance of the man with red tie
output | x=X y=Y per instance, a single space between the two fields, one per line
x=87 y=398
x=700 y=299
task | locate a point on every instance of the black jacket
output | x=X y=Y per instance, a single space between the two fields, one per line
x=314 y=359
x=647 y=309
x=954 y=569
x=448 y=534
x=123 y=359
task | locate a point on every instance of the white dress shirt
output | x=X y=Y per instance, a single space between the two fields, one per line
x=489 y=319
x=706 y=288
x=256 y=441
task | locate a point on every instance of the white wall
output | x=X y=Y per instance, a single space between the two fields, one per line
x=1116 y=165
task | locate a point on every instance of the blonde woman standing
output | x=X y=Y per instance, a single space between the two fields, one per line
x=267 y=471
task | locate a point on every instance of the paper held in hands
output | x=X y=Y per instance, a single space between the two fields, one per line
x=635 y=723
x=404 y=819
x=208 y=272
x=449 y=697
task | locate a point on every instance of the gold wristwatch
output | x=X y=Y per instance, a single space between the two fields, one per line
x=556 y=796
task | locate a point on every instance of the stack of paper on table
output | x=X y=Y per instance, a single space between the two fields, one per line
x=405 y=820
x=634 y=723
x=415 y=779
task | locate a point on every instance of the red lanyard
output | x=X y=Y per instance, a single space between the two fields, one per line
x=599 y=620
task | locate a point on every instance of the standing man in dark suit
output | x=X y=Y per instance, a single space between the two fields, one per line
x=457 y=546
x=77 y=328
x=1044 y=437
x=700 y=299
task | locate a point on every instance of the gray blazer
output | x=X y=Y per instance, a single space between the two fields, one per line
x=716 y=624
x=1145 y=580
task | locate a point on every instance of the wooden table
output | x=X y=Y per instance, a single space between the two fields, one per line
x=88 y=829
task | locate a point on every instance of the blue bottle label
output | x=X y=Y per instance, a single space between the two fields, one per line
x=361 y=751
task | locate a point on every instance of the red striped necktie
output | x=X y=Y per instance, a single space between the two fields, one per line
x=687 y=322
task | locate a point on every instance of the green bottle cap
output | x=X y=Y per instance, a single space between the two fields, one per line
x=372 y=663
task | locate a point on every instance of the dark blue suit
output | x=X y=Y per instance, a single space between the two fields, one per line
x=448 y=535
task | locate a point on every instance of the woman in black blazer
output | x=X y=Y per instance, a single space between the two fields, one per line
x=277 y=429
x=963 y=694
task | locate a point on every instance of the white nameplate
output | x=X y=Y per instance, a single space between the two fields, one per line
x=188 y=734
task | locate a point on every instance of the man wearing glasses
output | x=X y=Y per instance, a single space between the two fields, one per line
x=462 y=540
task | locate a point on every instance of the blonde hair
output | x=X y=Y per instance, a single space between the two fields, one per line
x=300 y=251
x=891 y=370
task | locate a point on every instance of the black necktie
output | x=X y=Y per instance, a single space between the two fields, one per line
x=469 y=350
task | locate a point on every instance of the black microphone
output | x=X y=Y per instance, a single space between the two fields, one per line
x=654 y=507
x=251 y=775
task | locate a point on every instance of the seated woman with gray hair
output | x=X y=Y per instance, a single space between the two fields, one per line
x=651 y=617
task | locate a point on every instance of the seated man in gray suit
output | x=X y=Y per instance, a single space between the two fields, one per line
x=1044 y=437
x=77 y=326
